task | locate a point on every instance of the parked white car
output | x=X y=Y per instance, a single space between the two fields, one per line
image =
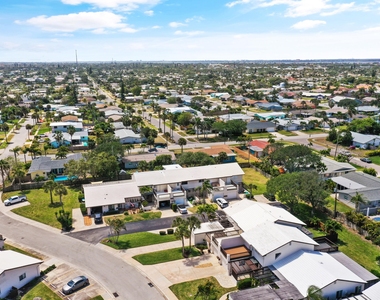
x=221 y=202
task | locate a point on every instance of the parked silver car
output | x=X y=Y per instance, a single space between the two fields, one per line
x=75 y=284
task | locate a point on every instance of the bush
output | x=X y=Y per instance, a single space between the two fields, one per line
x=47 y=270
x=80 y=197
x=244 y=284
x=174 y=207
x=269 y=196
x=145 y=203
x=83 y=209
x=170 y=231
x=126 y=213
x=162 y=232
x=373 y=153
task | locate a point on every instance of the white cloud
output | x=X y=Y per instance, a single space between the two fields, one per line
x=176 y=24
x=99 y=31
x=300 y=8
x=195 y=19
x=79 y=21
x=156 y=27
x=114 y=4
x=128 y=30
x=308 y=24
x=149 y=13
x=188 y=33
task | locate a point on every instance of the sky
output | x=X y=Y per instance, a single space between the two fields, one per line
x=167 y=30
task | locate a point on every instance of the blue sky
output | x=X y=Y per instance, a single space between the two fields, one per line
x=123 y=30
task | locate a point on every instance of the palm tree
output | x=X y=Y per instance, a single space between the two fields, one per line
x=357 y=200
x=197 y=123
x=71 y=130
x=181 y=231
x=5 y=128
x=205 y=189
x=251 y=187
x=58 y=136
x=60 y=190
x=15 y=151
x=28 y=127
x=193 y=223
x=19 y=172
x=4 y=167
x=182 y=142
x=314 y=293
x=49 y=187
x=24 y=151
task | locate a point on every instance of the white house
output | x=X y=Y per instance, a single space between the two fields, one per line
x=62 y=126
x=306 y=268
x=16 y=270
x=127 y=136
x=364 y=141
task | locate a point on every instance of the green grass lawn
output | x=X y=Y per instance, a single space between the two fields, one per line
x=340 y=206
x=252 y=176
x=40 y=209
x=181 y=133
x=137 y=217
x=140 y=239
x=358 y=168
x=187 y=290
x=15 y=249
x=42 y=291
x=313 y=131
x=287 y=133
x=375 y=160
x=194 y=208
x=259 y=135
x=158 y=257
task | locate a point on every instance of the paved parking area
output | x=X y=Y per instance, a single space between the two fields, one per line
x=57 y=278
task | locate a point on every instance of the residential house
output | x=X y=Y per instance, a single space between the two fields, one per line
x=230 y=117
x=348 y=185
x=43 y=166
x=16 y=270
x=334 y=168
x=214 y=151
x=270 y=116
x=132 y=161
x=287 y=124
x=367 y=109
x=127 y=136
x=79 y=138
x=69 y=118
x=256 y=148
x=62 y=126
x=171 y=185
x=365 y=141
x=269 y=106
x=261 y=126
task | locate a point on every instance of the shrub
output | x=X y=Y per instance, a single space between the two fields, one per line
x=170 y=231
x=80 y=197
x=244 y=284
x=162 y=232
x=269 y=196
x=174 y=207
x=47 y=270
x=83 y=209
x=126 y=213
x=373 y=153
x=145 y=203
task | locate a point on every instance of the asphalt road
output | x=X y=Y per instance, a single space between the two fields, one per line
x=108 y=270
x=95 y=235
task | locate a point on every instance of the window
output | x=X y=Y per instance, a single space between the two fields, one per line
x=184 y=182
x=339 y=294
x=277 y=255
x=22 y=276
x=358 y=289
x=201 y=180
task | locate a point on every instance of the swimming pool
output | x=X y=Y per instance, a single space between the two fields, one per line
x=63 y=178
x=376 y=219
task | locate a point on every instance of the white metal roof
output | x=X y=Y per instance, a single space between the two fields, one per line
x=268 y=236
x=187 y=174
x=12 y=260
x=373 y=292
x=209 y=227
x=305 y=268
x=347 y=183
x=248 y=214
x=110 y=193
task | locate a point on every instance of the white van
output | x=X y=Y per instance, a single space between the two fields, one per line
x=221 y=202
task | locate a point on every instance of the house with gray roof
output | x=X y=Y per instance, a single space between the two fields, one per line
x=365 y=141
x=261 y=126
x=43 y=166
x=132 y=161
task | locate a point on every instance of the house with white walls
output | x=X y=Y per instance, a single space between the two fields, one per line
x=16 y=270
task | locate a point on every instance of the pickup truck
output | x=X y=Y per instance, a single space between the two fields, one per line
x=15 y=199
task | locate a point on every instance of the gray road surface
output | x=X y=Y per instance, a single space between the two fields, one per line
x=109 y=270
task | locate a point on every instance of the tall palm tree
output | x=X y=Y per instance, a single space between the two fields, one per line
x=71 y=130
x=29 y=127
x=193 y=223
x=205 y=189
x=4 y=167
x=181 y=231
x=357 y=200
x=60 y=190
x=24 y=151
x=49 y=187
x=15 y=151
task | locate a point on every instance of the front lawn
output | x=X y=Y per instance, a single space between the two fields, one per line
x=375 y=160
x=340 y=206
x=188 y=290
x=255 y=177
x=287 y=133
x=42 y=291
x=140 y=239
x=158 y=257
x=40 y=209
x=143 y=216
x=9 y=247
x=259 y=135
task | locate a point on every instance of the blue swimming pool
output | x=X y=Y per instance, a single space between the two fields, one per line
x=63 y=178
x=376 y=219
